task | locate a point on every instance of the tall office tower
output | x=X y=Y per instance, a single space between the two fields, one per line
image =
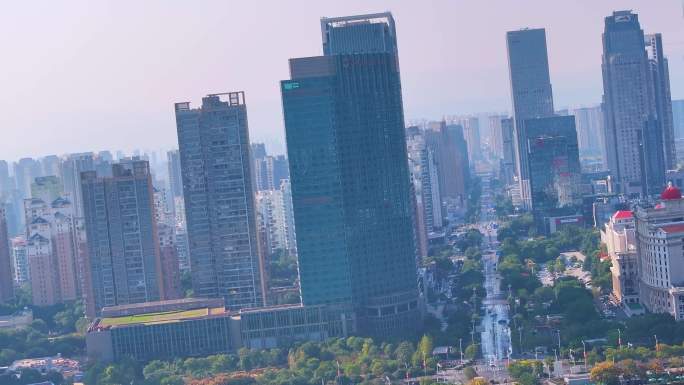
x=170 y=267
x=225 y=256
x=25 y=171
x=19 y=260
x=52 y=251
x=47 y=188
x=72 y=167
x=530 y=91
x=471 y=132
x=51 y=165
x=175 y=178
x=351 y=189
x=123 y=247
x=553 y=161
x=677 y=117
x=634 y=131
x=590 y=136
x=496 y=135
x=281 y=170
x=6 y=185
x=508 y=162
x=6 y=271
x=450 y=154
x=660 y=76
x=258 y=152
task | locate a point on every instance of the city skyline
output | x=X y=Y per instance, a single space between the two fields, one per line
x=133 y=95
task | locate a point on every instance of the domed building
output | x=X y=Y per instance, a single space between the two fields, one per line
x=660 y=253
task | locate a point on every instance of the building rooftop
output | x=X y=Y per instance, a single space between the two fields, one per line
x=159 y=317
x=677 y=228
x=623 y=214
x=671 y=193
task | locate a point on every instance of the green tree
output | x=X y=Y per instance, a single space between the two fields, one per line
x=404 y=352
x=426 y=346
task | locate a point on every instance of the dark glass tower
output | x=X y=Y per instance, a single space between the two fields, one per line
x=530 y=91
x=350 y=180
x=554 y=165
x=635 y=105
x=225 y=259
x=123 y=252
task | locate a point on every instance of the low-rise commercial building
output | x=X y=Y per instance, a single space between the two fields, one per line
x=200 y=327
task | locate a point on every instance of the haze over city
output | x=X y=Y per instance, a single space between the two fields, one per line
x=82 y=75
x=342 y=193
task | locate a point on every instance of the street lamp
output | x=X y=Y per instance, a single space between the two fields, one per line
x=584 y=349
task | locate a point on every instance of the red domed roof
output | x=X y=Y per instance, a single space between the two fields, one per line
x=671 y=193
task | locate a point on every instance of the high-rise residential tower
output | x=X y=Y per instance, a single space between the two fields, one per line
x=530 y=91
x=52 y=251
x=123 y=248
x=589 y=124
x=351 y=189
x=636 y=104
x=216 y=166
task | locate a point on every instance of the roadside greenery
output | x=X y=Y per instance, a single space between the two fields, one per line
x=343 y=361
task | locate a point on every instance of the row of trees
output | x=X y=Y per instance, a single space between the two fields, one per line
x=344 y=360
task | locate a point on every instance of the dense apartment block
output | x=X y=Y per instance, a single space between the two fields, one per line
x=123 y=251
x=52 y=251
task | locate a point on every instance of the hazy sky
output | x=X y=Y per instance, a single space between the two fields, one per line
x=91 y=75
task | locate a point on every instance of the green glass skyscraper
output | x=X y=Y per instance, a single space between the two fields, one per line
x=350 y=180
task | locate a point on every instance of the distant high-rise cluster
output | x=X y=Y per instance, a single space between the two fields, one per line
x=545 y=143
x=359 y=200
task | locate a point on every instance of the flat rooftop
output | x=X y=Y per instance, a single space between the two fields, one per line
x=160 y=317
